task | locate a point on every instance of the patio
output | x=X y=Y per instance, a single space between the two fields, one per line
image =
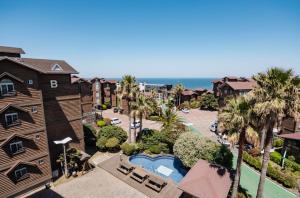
x=170 y=190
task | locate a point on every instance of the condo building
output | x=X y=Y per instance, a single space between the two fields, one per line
x=38 y=105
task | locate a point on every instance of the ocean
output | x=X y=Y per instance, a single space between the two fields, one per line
x=190 y=83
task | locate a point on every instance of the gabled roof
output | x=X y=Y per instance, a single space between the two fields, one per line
x=96 y=78
x=12 y=50
x=246 y=85
x=206 y=180
x=7 y=106
x=76 y=79
x=11 y=76
x=44 y=66
x=12 y=137
x=188 y=92
x=17 y=164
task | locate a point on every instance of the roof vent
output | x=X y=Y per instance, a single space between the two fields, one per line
x=56 y=67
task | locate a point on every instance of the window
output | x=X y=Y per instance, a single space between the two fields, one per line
x=56 y=67
x=30 y=82
x=97 y=95
x=37 y=137
x=41 y=161
x=6 y=87
x=11 y=119
x=97 y=85
x=19 y=174
x=33 y=109
x=16 y=147
x=53 y=84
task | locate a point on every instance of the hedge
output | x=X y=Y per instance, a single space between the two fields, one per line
x=128 y=149
x=101 y=123
x=155 y=149
x=278 y=142
x=112 y=144
x=273 y=172
x=277 y=158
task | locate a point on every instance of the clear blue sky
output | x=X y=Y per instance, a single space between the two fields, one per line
x=151 y=38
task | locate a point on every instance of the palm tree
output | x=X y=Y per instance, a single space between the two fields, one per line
x=143 y=107
x=128 y=91
x=275 y=96
x=177 y=91
x=236 y=118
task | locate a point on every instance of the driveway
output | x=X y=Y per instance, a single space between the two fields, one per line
x=125 y=121
x=201 y=121
x=95 y=184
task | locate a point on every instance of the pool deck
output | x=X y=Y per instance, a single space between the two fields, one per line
x=170 y=190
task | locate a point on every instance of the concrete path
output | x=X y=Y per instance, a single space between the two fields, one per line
x=249 y=177
x=95 y=184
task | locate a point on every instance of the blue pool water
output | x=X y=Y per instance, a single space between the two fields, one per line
x=152 y=163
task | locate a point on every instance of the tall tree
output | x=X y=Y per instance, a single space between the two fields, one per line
x=275 y=96
x=177 y=91
x=236 y=118
x=128 y=90
x=143 y=108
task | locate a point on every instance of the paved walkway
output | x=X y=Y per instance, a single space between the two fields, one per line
x=249 y=177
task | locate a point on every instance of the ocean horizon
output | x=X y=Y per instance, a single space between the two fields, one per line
x=190 y=83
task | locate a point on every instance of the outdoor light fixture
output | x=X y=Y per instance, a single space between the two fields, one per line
x=64 y=142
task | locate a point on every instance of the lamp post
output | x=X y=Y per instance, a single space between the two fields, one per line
x=64 y=142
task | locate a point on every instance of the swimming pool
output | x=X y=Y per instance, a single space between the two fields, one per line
x=166 y=166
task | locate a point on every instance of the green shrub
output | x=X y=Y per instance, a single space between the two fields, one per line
x=276 y=157
x=101 y=123
x=209 y=101
x=104 y=107
x=195 y=104
x=278 y=142
x=184 y=105
x=113 y=131
x=154 y=137
x=189 y=148
x=112 y=144
x=128 y=149
x=155 y=149
x=292 y=165
x=101 y=143
x=284 y=178
x=292 y=158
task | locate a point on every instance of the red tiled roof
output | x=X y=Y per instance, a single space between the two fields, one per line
x=206 y=180
x=291 y=136
x=13 y=50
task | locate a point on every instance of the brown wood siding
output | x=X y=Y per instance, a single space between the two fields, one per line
x=36 y=144
x=62 y=112
x=32 y=126
x=8 y=185
x=28 y=119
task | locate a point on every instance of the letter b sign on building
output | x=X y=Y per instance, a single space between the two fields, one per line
x=53 y=83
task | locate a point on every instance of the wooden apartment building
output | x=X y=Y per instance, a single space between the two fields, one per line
x=104 y=92
x=231 y=87
x=38 y=104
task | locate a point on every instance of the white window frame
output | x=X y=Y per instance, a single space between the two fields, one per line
x=23 y=172
x=41 y=161
x=11 y=114
x=19 y=150
x=34 y=109
x=6 y=84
